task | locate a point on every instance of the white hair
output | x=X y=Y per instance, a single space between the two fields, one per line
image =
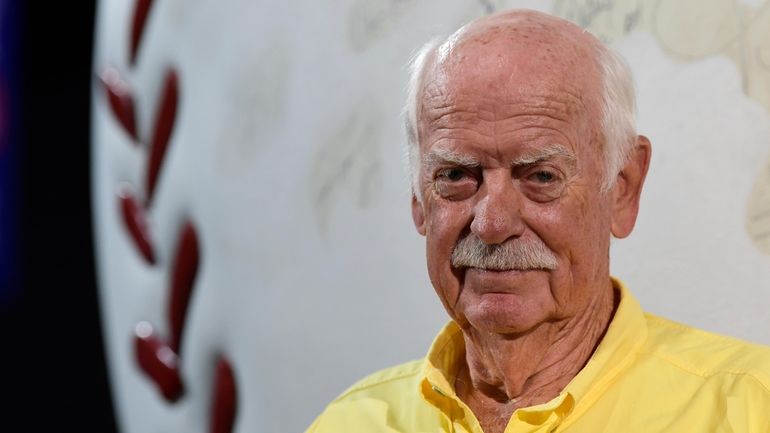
x=413 y=87
x=618 y=111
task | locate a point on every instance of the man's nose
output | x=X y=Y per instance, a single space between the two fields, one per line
x=497 y=216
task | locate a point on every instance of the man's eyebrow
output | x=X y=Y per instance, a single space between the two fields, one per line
x=544 y=154
x=444 y=156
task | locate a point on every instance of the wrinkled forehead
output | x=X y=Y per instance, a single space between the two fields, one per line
x=515 y=57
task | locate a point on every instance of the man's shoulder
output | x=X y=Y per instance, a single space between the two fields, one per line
x=387 y=380
x=707 y=354
x=379 y=401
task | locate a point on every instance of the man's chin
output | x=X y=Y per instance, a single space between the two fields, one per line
x=504 y=313
x=506 y=301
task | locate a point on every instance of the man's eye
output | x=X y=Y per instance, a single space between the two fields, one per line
x=543 y=184
x=543 y=176
x=455 y=183
x=453 y=174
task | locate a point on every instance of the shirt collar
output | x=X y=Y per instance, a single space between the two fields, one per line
x=626 y=333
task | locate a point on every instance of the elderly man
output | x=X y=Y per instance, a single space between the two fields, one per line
x=525 y=161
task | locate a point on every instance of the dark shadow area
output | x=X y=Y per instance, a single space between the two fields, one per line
x=53 y=348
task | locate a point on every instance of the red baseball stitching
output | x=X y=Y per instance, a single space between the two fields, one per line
x=159 y=357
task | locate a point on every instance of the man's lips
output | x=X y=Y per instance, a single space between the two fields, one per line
x=502 y=273
x=491 y=281
x=490 y=275
x=498 y=271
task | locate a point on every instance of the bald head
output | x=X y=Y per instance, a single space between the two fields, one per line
x=518 y=41
x=526 y=55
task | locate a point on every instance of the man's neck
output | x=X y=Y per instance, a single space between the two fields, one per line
x=501 y=374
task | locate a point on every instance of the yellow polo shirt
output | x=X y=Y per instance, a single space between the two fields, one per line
x=647 y=375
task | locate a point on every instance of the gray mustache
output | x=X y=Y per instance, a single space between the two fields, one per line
x=517 y=254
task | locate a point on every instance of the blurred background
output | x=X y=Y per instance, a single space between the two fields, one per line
x=204 y=212
x=54 y=373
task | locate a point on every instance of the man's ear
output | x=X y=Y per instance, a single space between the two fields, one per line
x=628 y=188
x=418 y=215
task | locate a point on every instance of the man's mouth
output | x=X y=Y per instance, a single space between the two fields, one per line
x=500 y=270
